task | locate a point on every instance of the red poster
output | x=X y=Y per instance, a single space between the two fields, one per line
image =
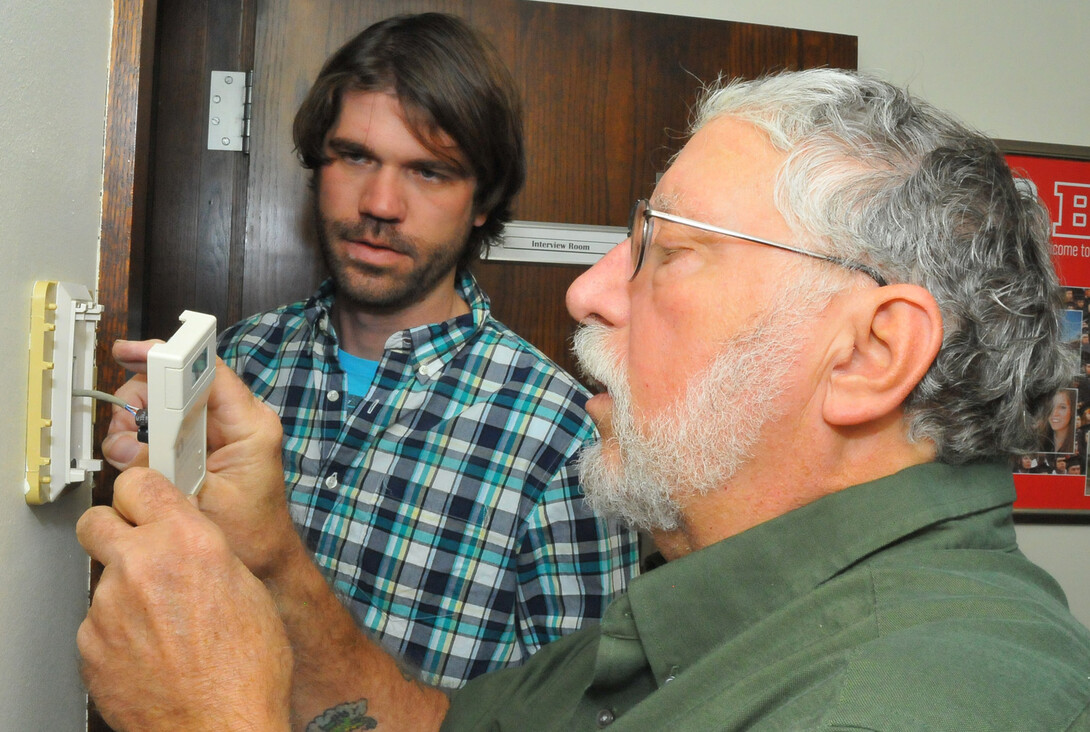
x=1056 y=478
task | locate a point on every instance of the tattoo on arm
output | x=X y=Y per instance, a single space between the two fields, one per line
x=347 y=717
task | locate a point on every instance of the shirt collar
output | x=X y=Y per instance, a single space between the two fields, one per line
x=426 y=342
x=318 y=306
x=736 y=582
x=432 y=346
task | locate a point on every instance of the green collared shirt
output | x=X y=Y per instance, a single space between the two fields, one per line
x=901 y=604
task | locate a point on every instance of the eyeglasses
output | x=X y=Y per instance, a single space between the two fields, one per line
x=641 y=228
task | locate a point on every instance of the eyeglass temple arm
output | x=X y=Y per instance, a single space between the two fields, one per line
x=858 y=267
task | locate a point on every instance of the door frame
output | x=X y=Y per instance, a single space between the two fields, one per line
x=121 y=238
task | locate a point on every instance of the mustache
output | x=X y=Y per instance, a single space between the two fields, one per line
x=372 y=230
x=596 y=361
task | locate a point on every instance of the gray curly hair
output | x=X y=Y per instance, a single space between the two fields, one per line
x=876 y=176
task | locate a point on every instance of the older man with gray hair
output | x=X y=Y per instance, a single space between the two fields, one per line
x=831 y=325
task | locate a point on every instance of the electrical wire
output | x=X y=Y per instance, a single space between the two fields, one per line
x=103 y=396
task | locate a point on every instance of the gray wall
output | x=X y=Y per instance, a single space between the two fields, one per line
x=1013 y=68
x=53 y=60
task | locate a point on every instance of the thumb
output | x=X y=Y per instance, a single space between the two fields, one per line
x=124 y=451
x=235 y=414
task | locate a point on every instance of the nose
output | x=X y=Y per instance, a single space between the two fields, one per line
x=601 y=293
x=382 y=195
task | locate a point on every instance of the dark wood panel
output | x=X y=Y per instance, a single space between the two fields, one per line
x=195 y=240
x=292 y=40
x=828 y=49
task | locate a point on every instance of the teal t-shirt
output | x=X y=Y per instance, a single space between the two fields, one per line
x=359 y=373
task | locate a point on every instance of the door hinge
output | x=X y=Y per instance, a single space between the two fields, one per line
x=229 y=104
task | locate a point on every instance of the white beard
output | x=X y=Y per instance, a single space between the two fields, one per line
x=643 y=473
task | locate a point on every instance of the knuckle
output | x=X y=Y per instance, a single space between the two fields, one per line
x=146 y=488
x=84 y=637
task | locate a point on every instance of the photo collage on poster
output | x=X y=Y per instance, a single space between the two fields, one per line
x=1055 y=477
x=1066 y=431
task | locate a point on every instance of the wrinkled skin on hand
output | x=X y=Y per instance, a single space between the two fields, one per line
x=179 y=635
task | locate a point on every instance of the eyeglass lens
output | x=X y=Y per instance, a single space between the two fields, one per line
x=638 y=232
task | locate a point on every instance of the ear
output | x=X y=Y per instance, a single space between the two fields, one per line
x=889 y=340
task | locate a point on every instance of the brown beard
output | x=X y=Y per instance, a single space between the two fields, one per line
x=400 y=293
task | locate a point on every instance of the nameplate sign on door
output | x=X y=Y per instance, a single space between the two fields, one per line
x=546 y=243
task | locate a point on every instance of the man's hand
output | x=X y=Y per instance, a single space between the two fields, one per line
x=185 y=560
x=244 y=490
x=179 y=634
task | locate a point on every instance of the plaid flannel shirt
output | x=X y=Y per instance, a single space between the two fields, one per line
x=444 y=505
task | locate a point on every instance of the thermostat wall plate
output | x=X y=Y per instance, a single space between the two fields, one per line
x=59 y=427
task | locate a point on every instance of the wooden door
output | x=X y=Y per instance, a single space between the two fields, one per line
x=606 y=94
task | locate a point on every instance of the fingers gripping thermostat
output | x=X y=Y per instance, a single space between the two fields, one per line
x=180 y=374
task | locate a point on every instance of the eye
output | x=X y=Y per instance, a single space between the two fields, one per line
x=355 y=157
x=432 y=174
x=666 y=244
x=350 y=153
x=663 y=250
x=663 y=253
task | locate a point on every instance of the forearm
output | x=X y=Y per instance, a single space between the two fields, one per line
x=339 y=672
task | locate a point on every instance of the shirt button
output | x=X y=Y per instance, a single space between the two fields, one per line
x=673 y=674
x=333 y=395
x=331 y=481
x=605 y=718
